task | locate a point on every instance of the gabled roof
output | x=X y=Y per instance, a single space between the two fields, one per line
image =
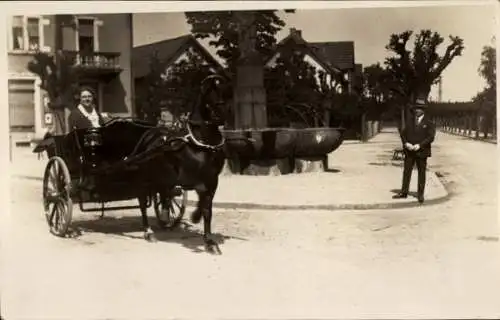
x=168 y=51
x=336 y=56
x=339 y=53
x=296 y=37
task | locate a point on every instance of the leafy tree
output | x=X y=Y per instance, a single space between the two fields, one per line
x=487 y=67
x=376 y=83
x=414 y=72
x=295 y=89
x=224 y=28
x=173 y=87
x=59 y=81
x=487 y=97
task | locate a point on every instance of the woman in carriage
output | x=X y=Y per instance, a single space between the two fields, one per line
x=85 y=115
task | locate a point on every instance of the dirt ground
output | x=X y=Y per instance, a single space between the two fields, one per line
x=437 y=261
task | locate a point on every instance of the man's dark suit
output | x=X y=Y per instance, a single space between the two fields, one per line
x=77 y=120
x=422 y=134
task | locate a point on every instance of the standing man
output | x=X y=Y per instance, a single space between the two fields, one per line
x=417 y=137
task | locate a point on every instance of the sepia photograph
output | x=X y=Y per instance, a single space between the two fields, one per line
x=250 y=160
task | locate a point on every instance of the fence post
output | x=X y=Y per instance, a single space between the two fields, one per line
x=478 y=126
x=494 y=129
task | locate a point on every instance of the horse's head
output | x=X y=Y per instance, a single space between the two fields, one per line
x=208 y=114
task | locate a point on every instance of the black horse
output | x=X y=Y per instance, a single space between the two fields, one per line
x=192 y=159
x=139 y=160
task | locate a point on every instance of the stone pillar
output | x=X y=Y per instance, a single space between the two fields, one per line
x=250 y=98
x=249 y=93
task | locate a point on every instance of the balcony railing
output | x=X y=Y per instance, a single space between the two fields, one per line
x=95 y=60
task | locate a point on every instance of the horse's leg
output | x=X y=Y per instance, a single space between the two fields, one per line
x=148 y=232
x=210 y=243
x=205 y=209
x=165 y=202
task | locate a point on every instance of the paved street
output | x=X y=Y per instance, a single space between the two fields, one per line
x=431 y=261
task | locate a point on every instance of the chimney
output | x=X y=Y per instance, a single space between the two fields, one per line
x=296 y=32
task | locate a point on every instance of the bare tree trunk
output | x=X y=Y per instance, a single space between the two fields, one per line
x=364 y=134
x=403 y=117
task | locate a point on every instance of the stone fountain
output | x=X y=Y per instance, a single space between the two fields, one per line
x=252 y=147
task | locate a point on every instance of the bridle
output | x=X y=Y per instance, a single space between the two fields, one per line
x=189 y=122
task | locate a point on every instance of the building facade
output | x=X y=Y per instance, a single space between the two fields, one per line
x=100 y=47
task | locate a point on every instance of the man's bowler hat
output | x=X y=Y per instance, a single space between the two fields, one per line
x=420 y=103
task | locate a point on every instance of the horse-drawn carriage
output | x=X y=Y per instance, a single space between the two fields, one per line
x=129 y=159
x=102 y=165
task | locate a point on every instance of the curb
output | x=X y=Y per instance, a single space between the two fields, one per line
x=327 y=207
x=337 y=207
x=322 y=207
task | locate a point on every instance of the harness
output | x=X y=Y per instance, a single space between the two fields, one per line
x=190 y=137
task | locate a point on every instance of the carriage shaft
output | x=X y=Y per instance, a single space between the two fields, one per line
x=148 y=205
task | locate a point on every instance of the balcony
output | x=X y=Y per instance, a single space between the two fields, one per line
x=95 y=64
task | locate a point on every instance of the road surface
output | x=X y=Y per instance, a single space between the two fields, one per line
x=436 y=261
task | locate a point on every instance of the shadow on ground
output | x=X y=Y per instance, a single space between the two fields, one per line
x=411 y=193
x=184 y=234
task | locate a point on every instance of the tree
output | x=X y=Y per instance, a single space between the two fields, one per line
x=414 y=72
x=296 y=90
x=376 y=83
x=376 y=98
x=487 y=97
x=174 y=87
x=58 y=79
x=487 y=68
x=224 y=29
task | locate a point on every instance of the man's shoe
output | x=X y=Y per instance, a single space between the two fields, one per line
x=400 y=195
x=420 y=199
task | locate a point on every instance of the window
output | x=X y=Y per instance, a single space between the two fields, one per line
x=26 y=33
x=21 y=105
x=33 y=28
x=86 y=35
x=17 y=33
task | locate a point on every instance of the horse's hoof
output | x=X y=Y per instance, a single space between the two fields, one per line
x=150 y=237
x=212 y=247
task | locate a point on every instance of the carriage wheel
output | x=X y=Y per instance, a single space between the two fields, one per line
x=57 y=202
x=176 y=202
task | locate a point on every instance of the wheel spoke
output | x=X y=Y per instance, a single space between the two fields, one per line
x=61 y=181
x=54 y=177
x=62 y=218
x=50 y=187
x=172 y=211
x=176 y=204
x=52 y=213
x=57 y=216
x=56 y=196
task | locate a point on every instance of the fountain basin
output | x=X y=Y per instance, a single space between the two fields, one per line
x=317 y=142
x=279 y=143
x=260 y=144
